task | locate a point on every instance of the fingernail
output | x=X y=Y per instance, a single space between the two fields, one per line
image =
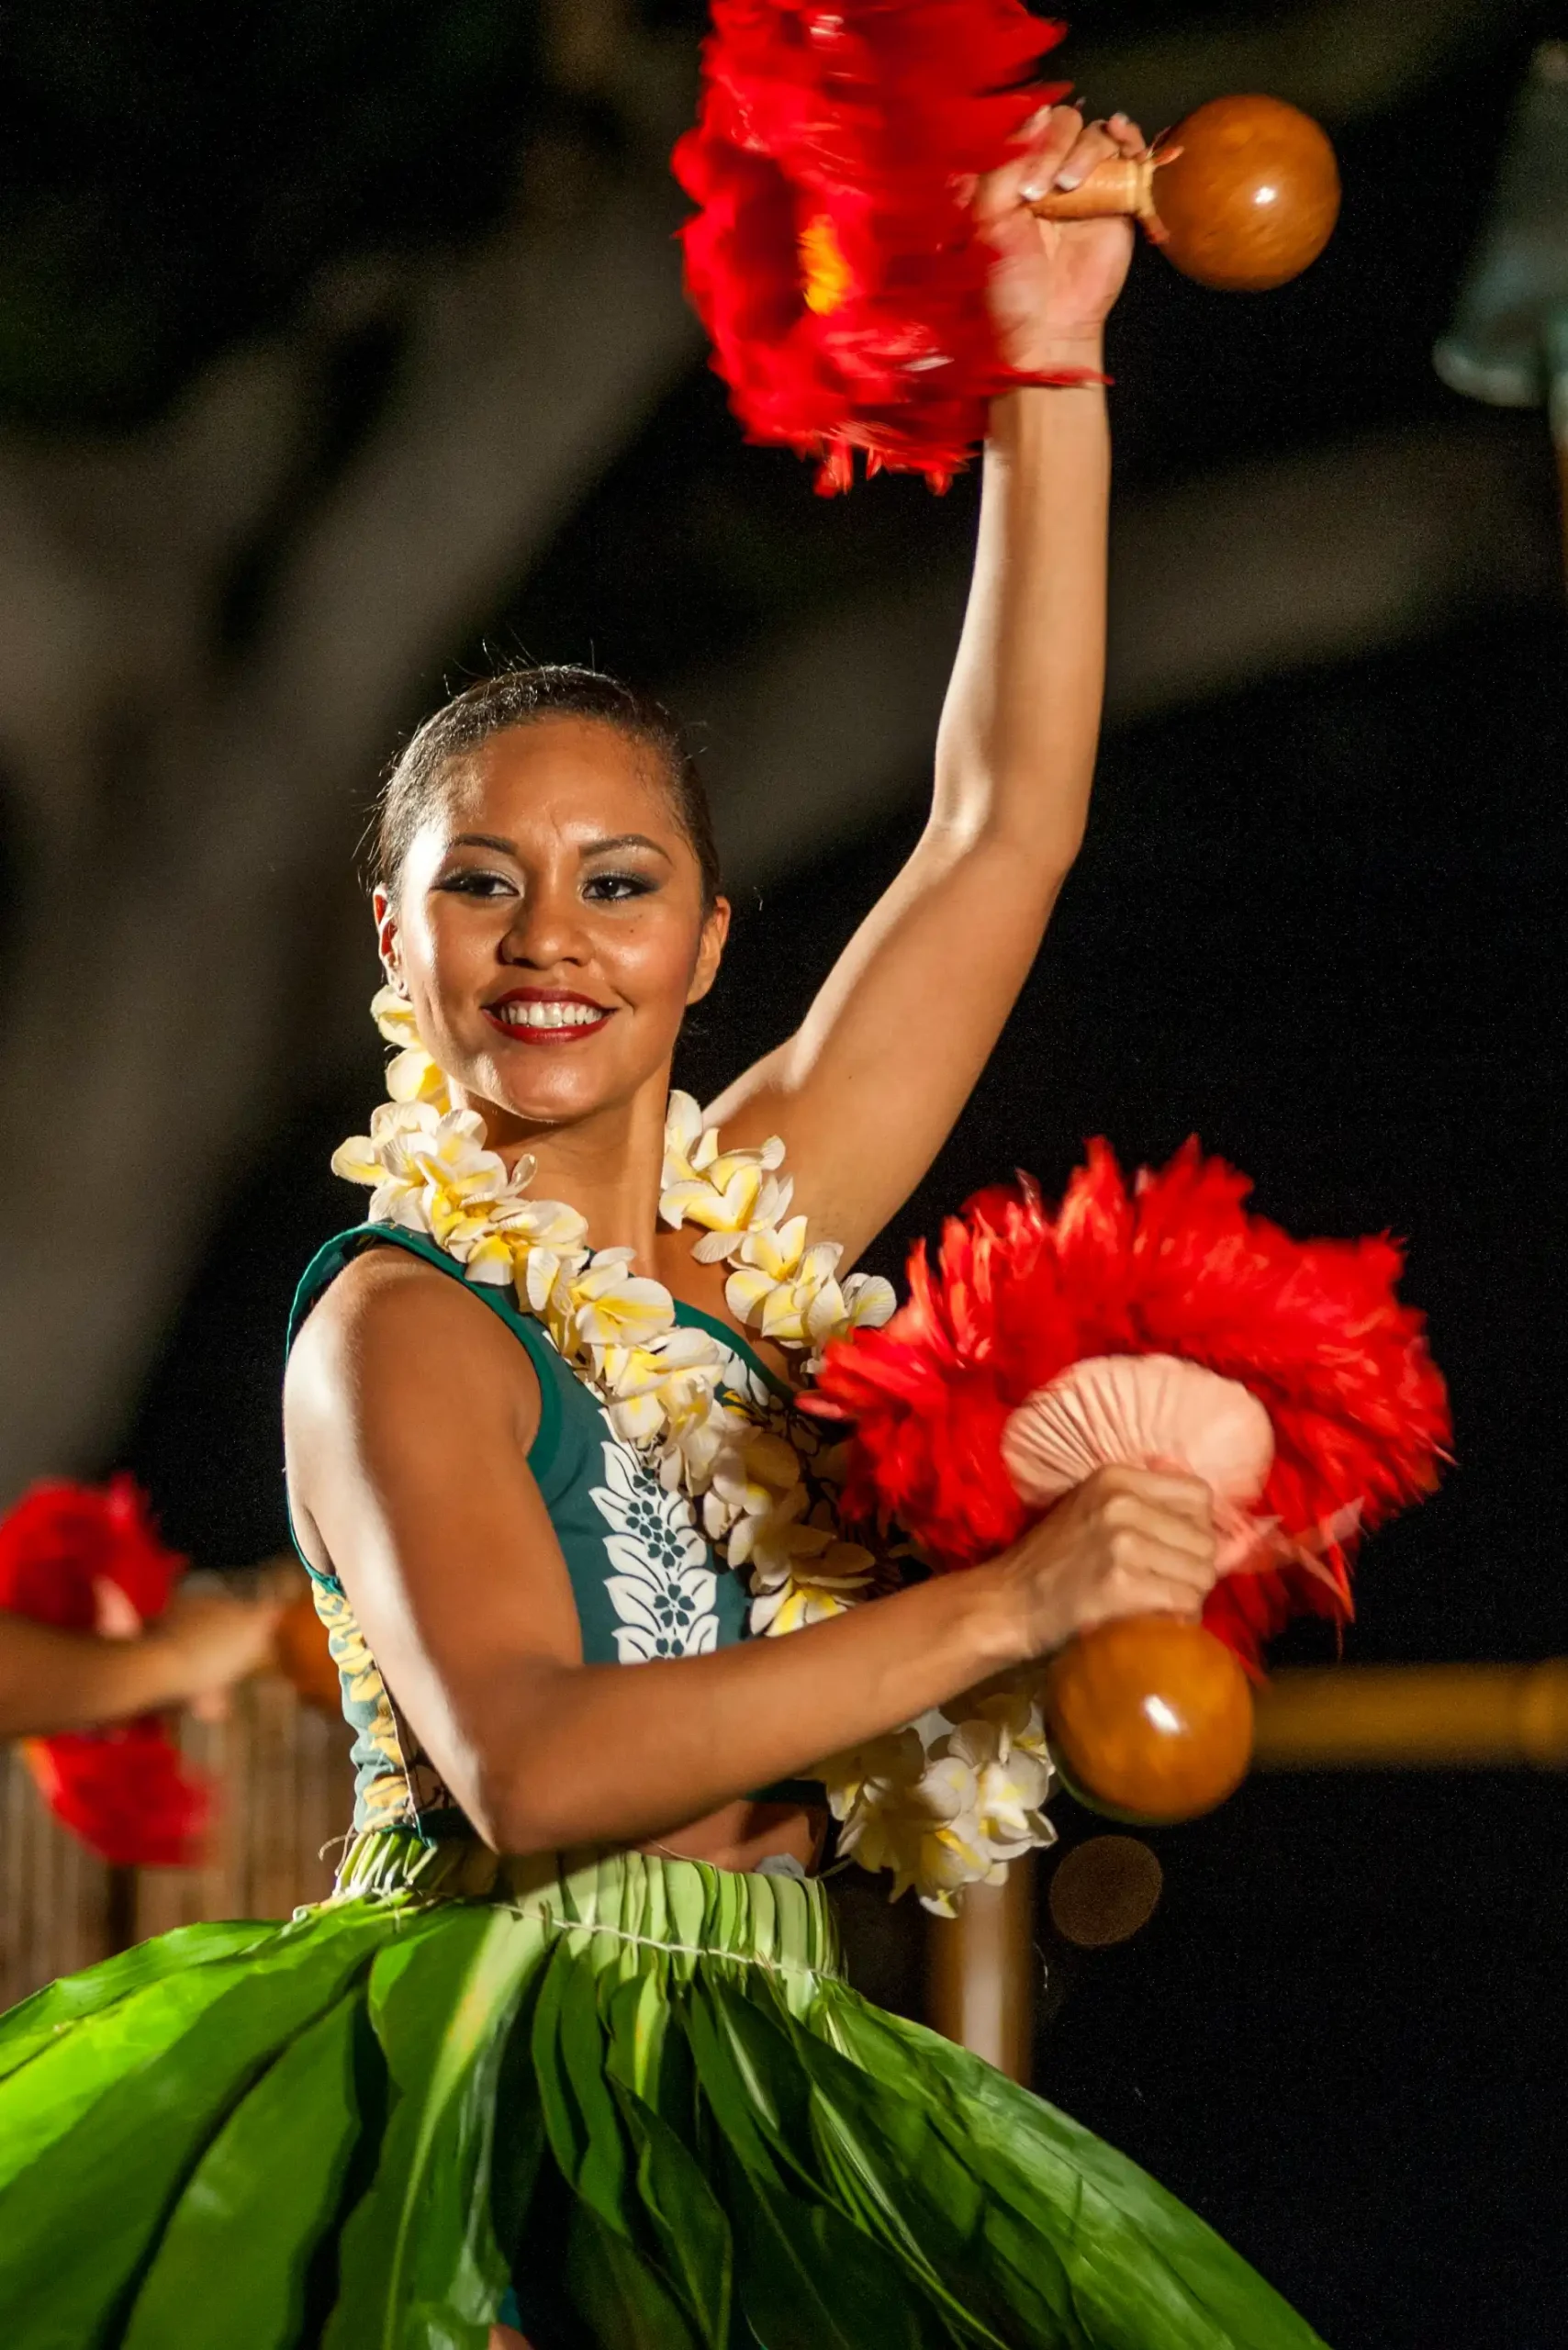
x=1031 y=191
x=1031 y=126
x=1068 y=178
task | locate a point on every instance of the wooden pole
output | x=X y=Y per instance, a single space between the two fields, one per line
x=981 y=1966
x=119 y=1910
x=1435 y=1717
x=981 y=1972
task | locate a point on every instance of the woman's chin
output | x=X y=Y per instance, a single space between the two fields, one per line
x=561 y=1090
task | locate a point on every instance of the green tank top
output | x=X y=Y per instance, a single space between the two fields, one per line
x=645 y=1581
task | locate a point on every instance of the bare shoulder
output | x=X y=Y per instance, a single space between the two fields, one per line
x=390 y=1325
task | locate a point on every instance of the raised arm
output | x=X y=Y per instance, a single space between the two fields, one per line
x=409 y=1411
x=866 y=1092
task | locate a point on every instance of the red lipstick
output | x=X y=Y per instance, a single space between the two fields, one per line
x=546 y=1016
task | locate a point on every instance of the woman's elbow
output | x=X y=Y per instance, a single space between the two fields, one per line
x=1020 y=837
x=509 y=1763
x=1016 y=871
x=508 y=1812
x=521 y=1806
x=1041 y=835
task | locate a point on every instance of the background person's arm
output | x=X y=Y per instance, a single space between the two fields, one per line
x=51 y=1680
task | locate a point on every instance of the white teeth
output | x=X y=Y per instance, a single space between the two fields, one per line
x=549 y=1015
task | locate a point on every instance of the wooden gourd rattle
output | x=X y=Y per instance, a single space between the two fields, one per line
x=1149 y=1323
x=1241 y=196
x=1151 y=1717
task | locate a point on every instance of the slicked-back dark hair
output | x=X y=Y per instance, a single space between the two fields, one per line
x=517 y=697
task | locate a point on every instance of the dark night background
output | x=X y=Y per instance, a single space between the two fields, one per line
x=1316 y=922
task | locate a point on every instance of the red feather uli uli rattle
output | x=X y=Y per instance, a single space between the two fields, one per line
x=85 y=1559
x=833 y=259
x=1156 y=1324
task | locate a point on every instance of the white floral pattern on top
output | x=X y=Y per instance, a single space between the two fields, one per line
x=664 y=1585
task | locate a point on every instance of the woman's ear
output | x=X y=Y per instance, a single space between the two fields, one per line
x=710 y=950
x=386 y=935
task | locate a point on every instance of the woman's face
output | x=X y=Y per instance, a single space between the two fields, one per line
x=547 y=924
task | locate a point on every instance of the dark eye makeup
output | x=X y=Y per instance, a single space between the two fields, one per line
x=470 y=881
x=599 y=888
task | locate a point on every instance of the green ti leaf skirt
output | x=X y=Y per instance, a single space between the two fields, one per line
x=619 y=2100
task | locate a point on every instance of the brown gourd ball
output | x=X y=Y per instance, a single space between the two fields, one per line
x=1253 y=197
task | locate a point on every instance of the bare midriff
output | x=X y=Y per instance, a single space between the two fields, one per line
x=742 y=1835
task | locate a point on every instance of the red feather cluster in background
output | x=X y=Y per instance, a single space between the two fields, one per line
x=1171 y=1264
x=832 y=260
x=123 y=1789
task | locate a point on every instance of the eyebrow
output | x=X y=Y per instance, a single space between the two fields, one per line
x=590 y=848
x=627 y=840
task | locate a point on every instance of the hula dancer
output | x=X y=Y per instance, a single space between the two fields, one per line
x=569 y=2050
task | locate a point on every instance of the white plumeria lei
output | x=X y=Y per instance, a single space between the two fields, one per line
x=940 y=1804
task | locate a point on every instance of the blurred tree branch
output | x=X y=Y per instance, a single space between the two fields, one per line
x=382 y=289
x=1345 y=59
x=185 y=803
x=1241 y=574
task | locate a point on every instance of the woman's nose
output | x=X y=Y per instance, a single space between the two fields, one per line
x=546 y=929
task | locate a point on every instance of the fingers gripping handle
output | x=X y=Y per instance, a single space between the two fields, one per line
x=1122 y=187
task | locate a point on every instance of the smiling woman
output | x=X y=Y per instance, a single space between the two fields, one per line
x=570 y=2047
x=546 y=875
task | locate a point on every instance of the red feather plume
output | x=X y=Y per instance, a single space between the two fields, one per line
x=1172 y=1264
x=125 y=1791
x=122 y=1789
x=832 y=260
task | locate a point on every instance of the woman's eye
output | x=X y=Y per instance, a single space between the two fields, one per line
x=613 y=886
x=469 y=884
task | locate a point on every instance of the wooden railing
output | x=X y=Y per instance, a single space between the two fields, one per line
x=284 y=1792
x=281 y=1770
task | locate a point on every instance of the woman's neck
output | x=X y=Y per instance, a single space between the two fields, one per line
x=608 y=1166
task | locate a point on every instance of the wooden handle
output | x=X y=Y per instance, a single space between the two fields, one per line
x=1414 y=1718
x=1122 y=187
x=978 y=1971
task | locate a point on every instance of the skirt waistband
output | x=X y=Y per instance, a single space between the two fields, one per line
x=687 y=1908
